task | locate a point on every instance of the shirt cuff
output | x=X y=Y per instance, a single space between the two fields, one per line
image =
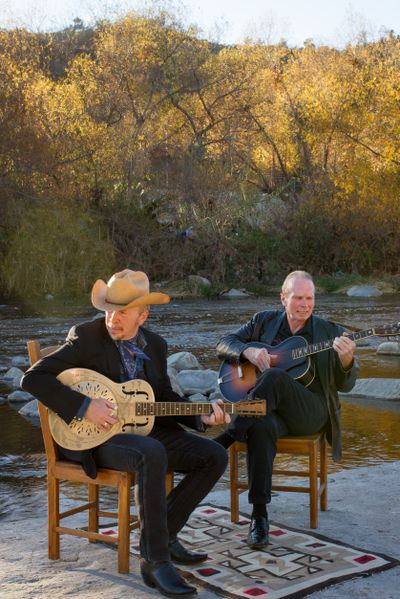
x=83 y=409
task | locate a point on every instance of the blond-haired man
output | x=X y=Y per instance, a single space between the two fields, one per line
x=293 y=406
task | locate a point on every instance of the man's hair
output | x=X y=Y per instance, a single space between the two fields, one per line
x=295 y=274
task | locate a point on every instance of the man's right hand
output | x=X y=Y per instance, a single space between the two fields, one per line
x=258 y=356
x=101 y=413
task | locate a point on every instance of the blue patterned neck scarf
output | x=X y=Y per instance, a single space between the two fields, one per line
x=133 y=357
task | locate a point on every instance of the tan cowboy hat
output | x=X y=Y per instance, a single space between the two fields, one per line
x=125 y=289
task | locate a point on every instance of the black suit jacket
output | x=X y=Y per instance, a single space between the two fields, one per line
x=89 y=346
x=333 y=378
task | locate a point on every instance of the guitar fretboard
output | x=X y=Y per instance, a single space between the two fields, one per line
x=314 y=348
x=171 y=408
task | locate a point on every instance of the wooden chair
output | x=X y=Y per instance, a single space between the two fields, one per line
x=312 y=446
x=63 y=470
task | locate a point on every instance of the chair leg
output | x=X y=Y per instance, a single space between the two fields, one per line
x=53 y=503
x=169 y=482
x=93 y=496
x=313 y=465
x=324 y=475
x=123 y=524
x=233 y=465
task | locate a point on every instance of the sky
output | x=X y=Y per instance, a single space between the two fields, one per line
x=227 y=21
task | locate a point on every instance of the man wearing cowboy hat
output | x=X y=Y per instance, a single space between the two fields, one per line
x=120 y=348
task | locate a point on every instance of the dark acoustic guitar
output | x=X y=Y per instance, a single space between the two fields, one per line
x=237 y=379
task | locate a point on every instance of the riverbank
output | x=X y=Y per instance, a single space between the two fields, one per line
x=363 y=511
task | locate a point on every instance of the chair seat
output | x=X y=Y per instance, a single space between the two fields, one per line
x=314 y=447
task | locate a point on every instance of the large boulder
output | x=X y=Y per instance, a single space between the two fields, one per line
x=233 y=293
x=197 y=283
x=197 y=381
x=20 y=361
x=30 y=410
x=183 y=360
x=174 y=384
x=389 y=348
x=216 y=395
x=19 y=396
x=198 y=398
x=382 y=389
x=363 y=291
x=12 y=378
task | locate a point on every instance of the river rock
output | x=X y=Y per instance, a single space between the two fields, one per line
x=174 y=384
x=197 y=381
x=30 y=410
x=19 y=361
x=375 y=388
x=198 y=397
x=235 y=293
x=19 y=396
x=363 y=291
x=216 y=395
x=389 y=348
x=196 y=282
x=13 y=377
x=171 y=371
x=183 y=360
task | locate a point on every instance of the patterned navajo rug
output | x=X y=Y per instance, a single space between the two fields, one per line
x=293 y=565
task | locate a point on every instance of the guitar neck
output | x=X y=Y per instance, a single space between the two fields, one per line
x=314 y=348
x=178 y=408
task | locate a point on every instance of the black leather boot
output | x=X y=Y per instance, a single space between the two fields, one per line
x=258 y=532
x=163 y=577
x=181 y=555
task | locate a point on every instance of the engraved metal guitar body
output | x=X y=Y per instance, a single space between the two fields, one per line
x=135 y=408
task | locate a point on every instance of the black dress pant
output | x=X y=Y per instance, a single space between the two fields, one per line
x=291 y=409
x=202 y=460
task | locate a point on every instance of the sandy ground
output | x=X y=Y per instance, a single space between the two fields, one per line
x=364 y=510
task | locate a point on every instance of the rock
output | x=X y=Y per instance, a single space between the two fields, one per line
x=19 y=361
x=363 y=291
x=388 y=389
x=49 y=297
x=216 y=395
x=198 y=397
x=18 y=396
x=197 y=381
x=389 y=348
x=196 y=282
x=175 y=385
x=30 y=410
x=13 y=377
x=235 y=293
x=183 y=360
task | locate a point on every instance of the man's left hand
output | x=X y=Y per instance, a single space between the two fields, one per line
x=345 y=347
x=218 y=416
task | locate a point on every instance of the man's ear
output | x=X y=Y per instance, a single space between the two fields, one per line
x=283 y=300
x=144 y=315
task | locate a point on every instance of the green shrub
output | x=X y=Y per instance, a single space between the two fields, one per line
x=56 y=250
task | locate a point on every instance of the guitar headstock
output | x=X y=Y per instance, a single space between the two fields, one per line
x=254 y=407
x=388 y=329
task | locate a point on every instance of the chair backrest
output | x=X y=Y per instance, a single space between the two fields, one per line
x=36 y=353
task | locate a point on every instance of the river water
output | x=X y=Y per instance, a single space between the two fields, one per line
x=371 y=431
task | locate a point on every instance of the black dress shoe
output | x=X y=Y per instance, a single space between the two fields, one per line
x=181 y=555
x=163 y=577
x=258 y=532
